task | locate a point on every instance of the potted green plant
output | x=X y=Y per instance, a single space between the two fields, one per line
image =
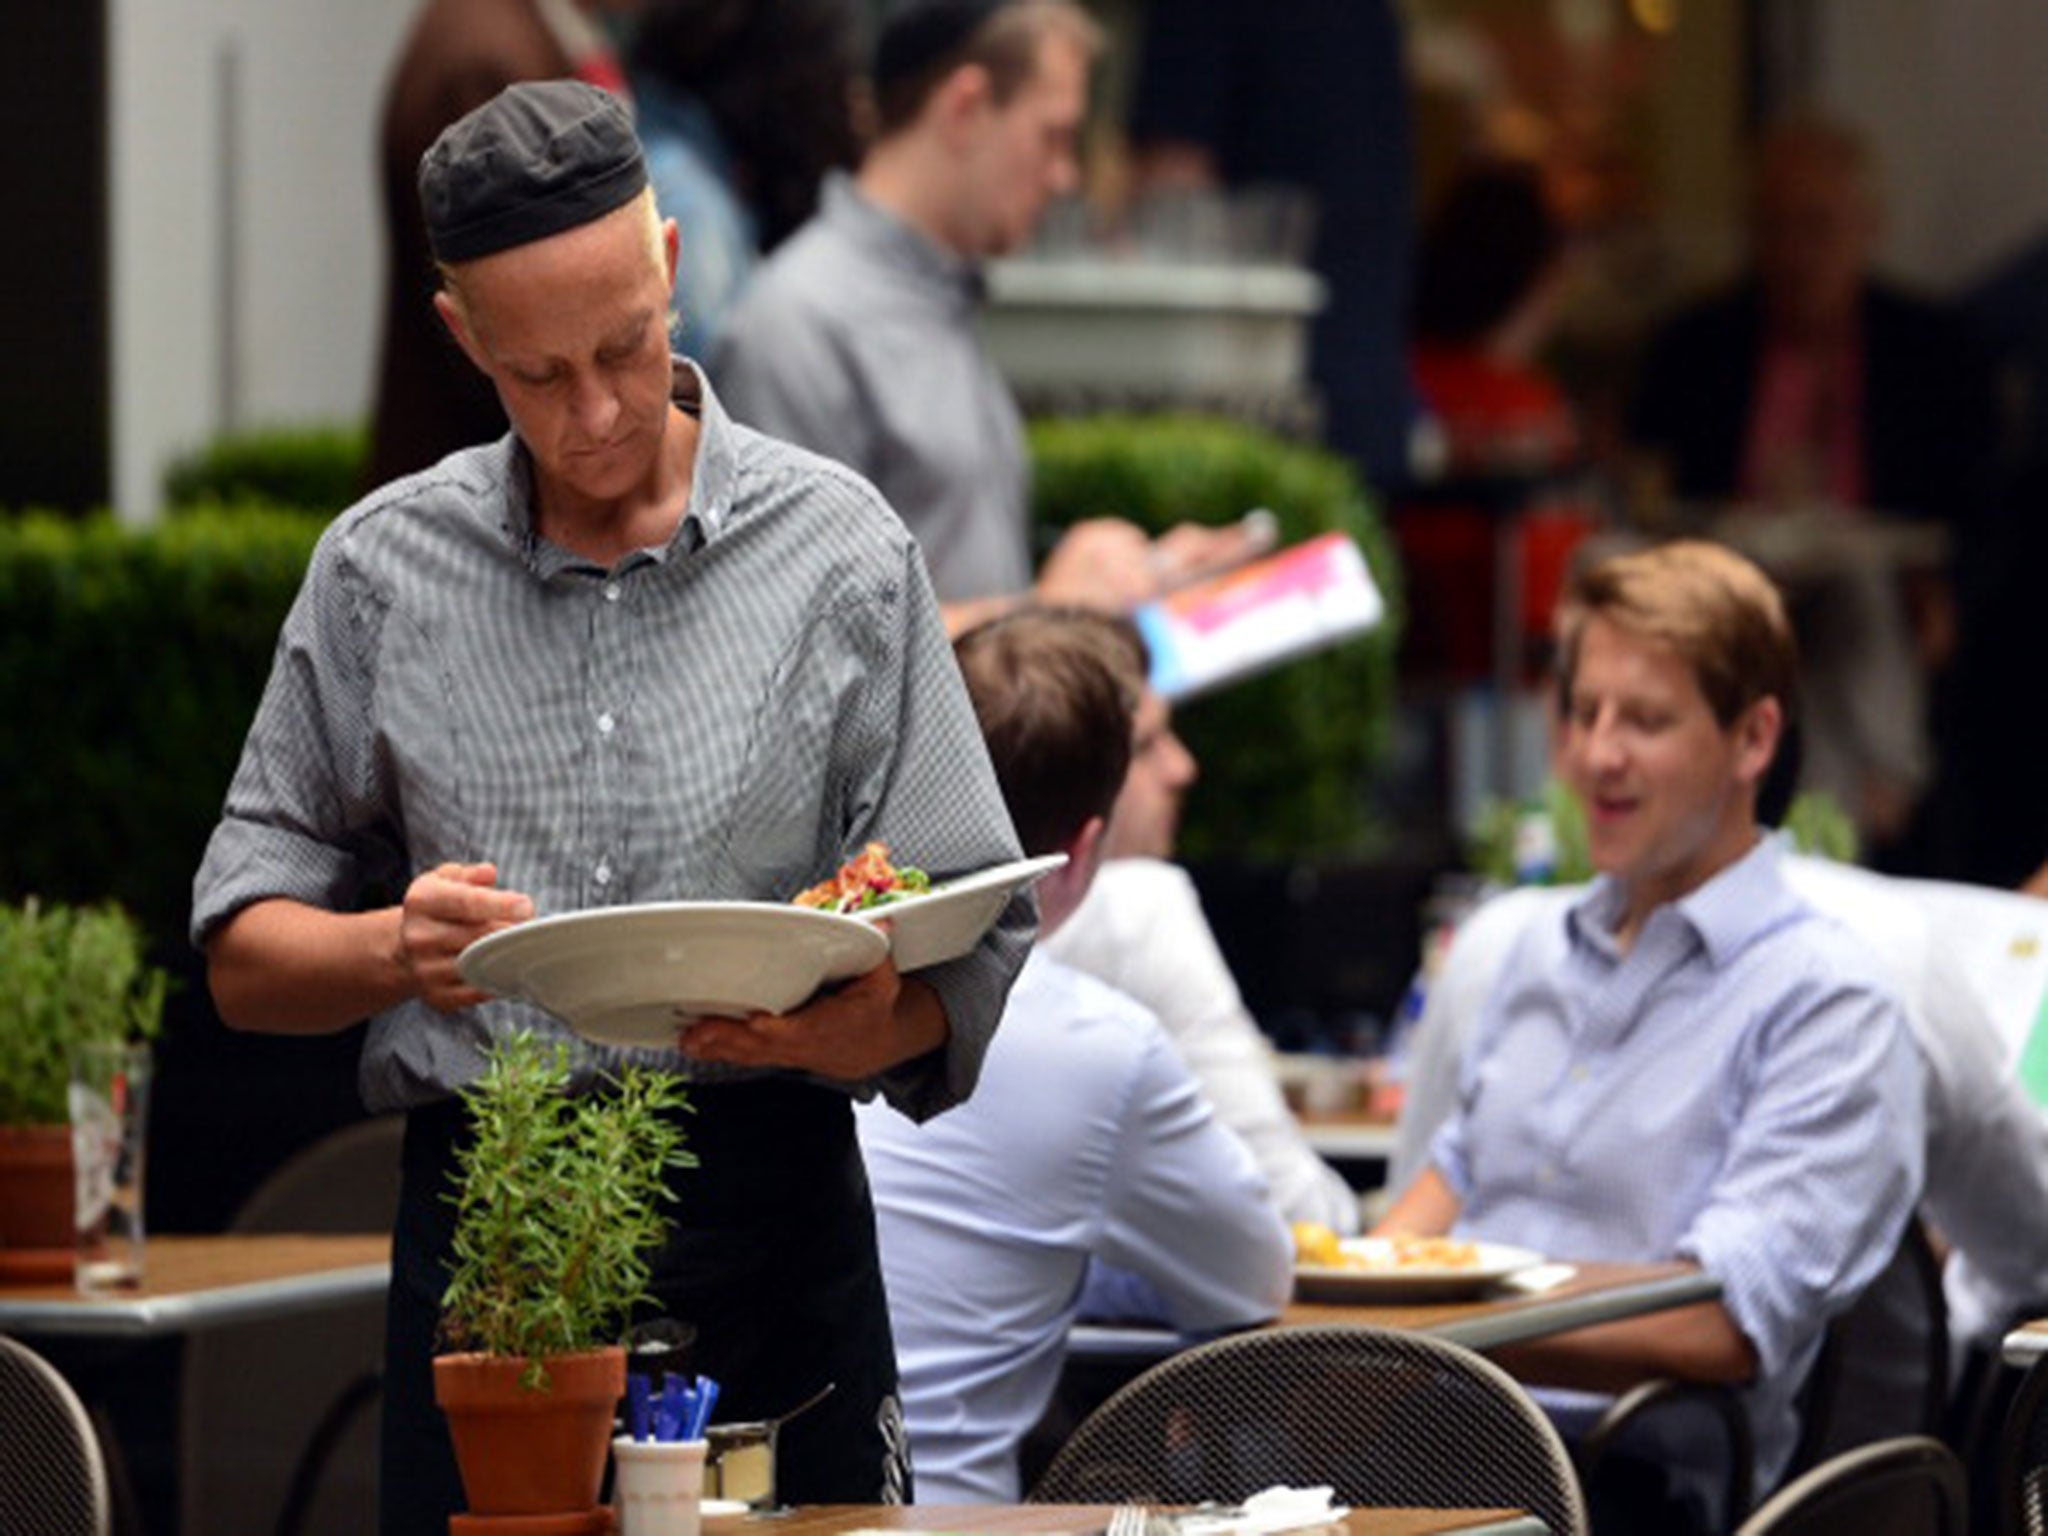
x=558 y=1200
x=69 y=977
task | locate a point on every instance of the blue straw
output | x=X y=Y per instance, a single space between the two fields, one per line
x=707 y=1399
x=639 y=1406
x=674 y=1411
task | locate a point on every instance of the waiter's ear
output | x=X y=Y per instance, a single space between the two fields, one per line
x=449 y=307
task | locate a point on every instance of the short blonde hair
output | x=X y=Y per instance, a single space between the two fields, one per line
x=1720 y=614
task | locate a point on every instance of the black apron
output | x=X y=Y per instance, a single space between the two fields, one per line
x=772 y=1258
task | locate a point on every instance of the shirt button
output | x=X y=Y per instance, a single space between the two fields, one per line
x=602 y=874
x=611 y=591
x=1578 y=1074
x=605 y=723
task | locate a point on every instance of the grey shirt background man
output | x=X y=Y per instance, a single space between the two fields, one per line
x=857 y=337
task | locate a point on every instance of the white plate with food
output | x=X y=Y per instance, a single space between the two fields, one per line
x=633 y=975
x=1407 y=1269
x=928 y=923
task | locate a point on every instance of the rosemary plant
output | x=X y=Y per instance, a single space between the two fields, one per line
x=558 y=1205
x=67 y=975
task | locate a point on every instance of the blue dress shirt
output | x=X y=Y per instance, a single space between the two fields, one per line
x=1737 y=1089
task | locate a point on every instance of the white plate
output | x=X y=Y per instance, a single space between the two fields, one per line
x=949 y=920
x=709 y=1510
x=1411 y=1282
x=630 y=975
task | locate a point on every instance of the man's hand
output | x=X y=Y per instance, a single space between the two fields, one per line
x=1109 y=565
x=874 y=1022
x=1190 y=551
x=1103 y=563
x=445 y=910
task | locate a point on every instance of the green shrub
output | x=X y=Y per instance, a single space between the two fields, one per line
x=1287 y=758
x=131 y=661
x=312 y=469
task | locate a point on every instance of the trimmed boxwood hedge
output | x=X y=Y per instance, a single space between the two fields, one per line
x=314 y=469
x=131 y=661
x=1287 y=758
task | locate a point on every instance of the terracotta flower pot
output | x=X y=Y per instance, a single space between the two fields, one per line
x=524 y=1452
x=38 y=1202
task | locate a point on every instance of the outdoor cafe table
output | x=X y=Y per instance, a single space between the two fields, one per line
x=1091 y=1519
x=194 y=1282
x=189 y=1283
x=1595 y=1293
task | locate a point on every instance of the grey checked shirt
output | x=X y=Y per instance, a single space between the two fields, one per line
x=723 y=718
x=858 y=339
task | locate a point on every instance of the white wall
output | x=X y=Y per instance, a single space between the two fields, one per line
x=1951 y=92
x=285 y=218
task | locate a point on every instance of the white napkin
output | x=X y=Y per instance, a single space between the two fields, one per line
x=1538 y=1278
x=1276 y=1509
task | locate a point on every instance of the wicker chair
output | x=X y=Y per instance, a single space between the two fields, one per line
x=2023 y=1457
x=1384 y=1418
x=1907 y=1486
x=53 y=1479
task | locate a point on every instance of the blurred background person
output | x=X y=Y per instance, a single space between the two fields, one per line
x=1087 y=1136
x=858 y=337
x=1489 y=280
x=1814 y=384
x=743 y=106
x=1141 y=929
x=1313 y=95
x=458 y=55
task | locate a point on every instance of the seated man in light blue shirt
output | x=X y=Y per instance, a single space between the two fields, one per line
x=1087 y=1137
x=1688 y=1062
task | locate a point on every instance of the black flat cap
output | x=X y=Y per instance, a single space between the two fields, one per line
x=919 y=33
x=536 y=159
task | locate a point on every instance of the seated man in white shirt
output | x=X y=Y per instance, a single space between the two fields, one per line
x=1087 y=1135
x=1142 y=930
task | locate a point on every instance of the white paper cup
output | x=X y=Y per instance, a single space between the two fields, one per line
x=657 y=1485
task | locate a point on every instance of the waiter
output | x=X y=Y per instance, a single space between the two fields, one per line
x=629 y=652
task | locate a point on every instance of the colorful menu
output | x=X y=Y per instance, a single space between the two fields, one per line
x=1259 y=615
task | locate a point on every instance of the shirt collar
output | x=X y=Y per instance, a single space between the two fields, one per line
x=711 y=483
x=896 y=245
x=1725 y=914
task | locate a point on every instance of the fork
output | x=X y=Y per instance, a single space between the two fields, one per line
x=1128 y=1520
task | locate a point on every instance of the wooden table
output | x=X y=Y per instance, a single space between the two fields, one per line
x=200 y=1282
x=1597 y=1293
x=1090 y=1519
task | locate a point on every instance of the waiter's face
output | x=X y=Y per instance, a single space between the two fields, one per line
x=573 y=332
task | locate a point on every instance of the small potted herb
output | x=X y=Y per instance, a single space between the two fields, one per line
x=70 y=977
x=558 y=1209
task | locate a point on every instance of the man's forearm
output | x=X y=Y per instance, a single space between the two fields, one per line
x=1698 y=1343
x=286 y=968
x=1427 y=1208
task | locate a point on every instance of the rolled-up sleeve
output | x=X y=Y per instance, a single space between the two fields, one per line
x=1823 y=1171
x=297 y=821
